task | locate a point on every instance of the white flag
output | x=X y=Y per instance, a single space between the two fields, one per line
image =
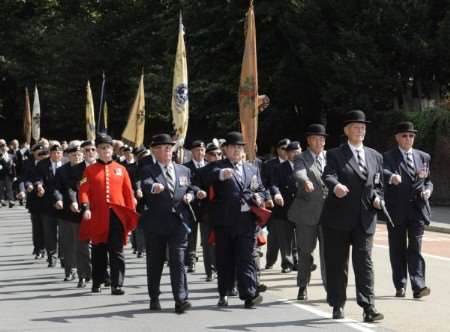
x=36 y=117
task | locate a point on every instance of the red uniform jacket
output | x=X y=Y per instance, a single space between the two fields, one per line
x=106 y=186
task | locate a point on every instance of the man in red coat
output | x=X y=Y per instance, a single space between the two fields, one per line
x=108 y=206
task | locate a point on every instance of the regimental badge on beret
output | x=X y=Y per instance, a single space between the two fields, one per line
x=118 y=171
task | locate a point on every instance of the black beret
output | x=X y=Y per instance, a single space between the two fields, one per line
x=197 y=144
x=293 y=146
x=87 y=143
x=103 y=139
x=56 y=147
x=283 y=143
x=37 y=146
x=211 y=147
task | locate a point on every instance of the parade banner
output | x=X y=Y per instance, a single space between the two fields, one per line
x=102 y=125
x=27 y=118
x=133 y=133
x=248 y=88
x=36 y=117
x=180 y=100
x=90 y=115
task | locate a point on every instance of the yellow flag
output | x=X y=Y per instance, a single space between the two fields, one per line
x=180 y=100
x=133 y=134
x=248 y=88
x=90 y=115
x=27 y=118
x=105 y=116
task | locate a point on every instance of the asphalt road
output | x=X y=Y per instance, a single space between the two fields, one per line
x=35 y=298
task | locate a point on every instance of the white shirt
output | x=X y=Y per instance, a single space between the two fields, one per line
x=355 y=153
x=404 y=153
x=198 y=164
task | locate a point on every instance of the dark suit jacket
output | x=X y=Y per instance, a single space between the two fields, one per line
x=356 y=207
x=29 y=175
x=44 y=175
x=166 y=212
x=230 y=194
x=267 y=169
x=284 y=183
x=405 y=201
x=65 y=180
x=196 y=205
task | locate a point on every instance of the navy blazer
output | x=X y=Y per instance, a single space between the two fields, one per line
x=285 y=184
x=65 y=180
x=356 y=207
x=166 y=212
x=404 y=201
x=230 y=193
x=45 y=176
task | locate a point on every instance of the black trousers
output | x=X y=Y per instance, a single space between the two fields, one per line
x=209 y=251
x=336 y=253
x=156 y=245
x=191 y=257
x=6 y=189
x=50 y=228
x=405 y=247
x=113 y=248
x=37 y=230
x=234 y=258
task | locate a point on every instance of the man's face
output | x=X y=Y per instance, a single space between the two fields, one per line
x=198 y=154
x=163 y=153
x=234 y=152
x=316 y=143
x=128 y=155
x=105 y=152
x=75 y=157
x=355 y=132
x=281 y=153
x=56 y=156
x=90 y=153
x=292 y=154
x=213 y=155
x=405 y=140
x=2 y=145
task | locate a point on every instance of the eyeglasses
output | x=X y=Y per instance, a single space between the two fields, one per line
x=408 y=135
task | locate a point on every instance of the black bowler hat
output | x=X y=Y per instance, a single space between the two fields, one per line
x=282 y=144
x=355 y=116
x=43 y=153
x=37 y=146
x=234 y=138
x=316 y=129
x=162 y=139
x=103 y=139
x=87 y=143
x=56 y=147
x=293 y=146
x=405 y=127
x=212 y=147
x=197 y=144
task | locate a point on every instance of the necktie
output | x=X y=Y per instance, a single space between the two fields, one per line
x=410 y=164
x=238 y=173
x=54 y=168
x=170 y=180
x=361 y=164
x=319 y=163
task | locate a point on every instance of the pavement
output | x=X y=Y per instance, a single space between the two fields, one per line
x=35 y=298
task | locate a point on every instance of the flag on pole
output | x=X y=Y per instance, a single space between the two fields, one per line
x=102 y=126
x=180 y=100
x=36 y=118
x=248 y=88
x=105 y=117
x=90 y=115
x=27 y=118
x=133 y=134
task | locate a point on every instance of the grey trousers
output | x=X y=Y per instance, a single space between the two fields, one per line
x=75 y=252
x=307 y=237
x=209 y=251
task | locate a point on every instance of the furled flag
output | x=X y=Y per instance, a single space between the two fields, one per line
x=102 y=125
x=248 y=88
x=180 y=100
x=133 y=134
x=27 y=118
x=90 y=115
x=36 y=118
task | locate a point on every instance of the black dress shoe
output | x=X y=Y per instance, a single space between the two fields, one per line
x=286 y=270
x=223 y=301
x=155 y=305
x=313 y=267
x=233 y=292
x=338 y=313
x=96 y=289
x=117 y=291
x=181 y=307
x=422 y=292
x=139 y=254
x=400 y=292
x=51 y=261
x=302 y=294
x=209 y=277
x=261 y=288
x=254 y=301
x=70 y=277
x=81 y=283
x=371 y=315
x=295 y=267
x=191 y=268
x=11 y=205
x=107 y=282
x=269 y=267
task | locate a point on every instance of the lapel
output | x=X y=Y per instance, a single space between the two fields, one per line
x=176 y=179
x=350 y=159
x=313 y=168
x=417 y=160
x=236 y=181
x=402 y=162
x=157 y=174
x=370 y=164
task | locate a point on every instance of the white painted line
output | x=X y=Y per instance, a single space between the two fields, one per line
x=446 y=259
x=363 y=327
